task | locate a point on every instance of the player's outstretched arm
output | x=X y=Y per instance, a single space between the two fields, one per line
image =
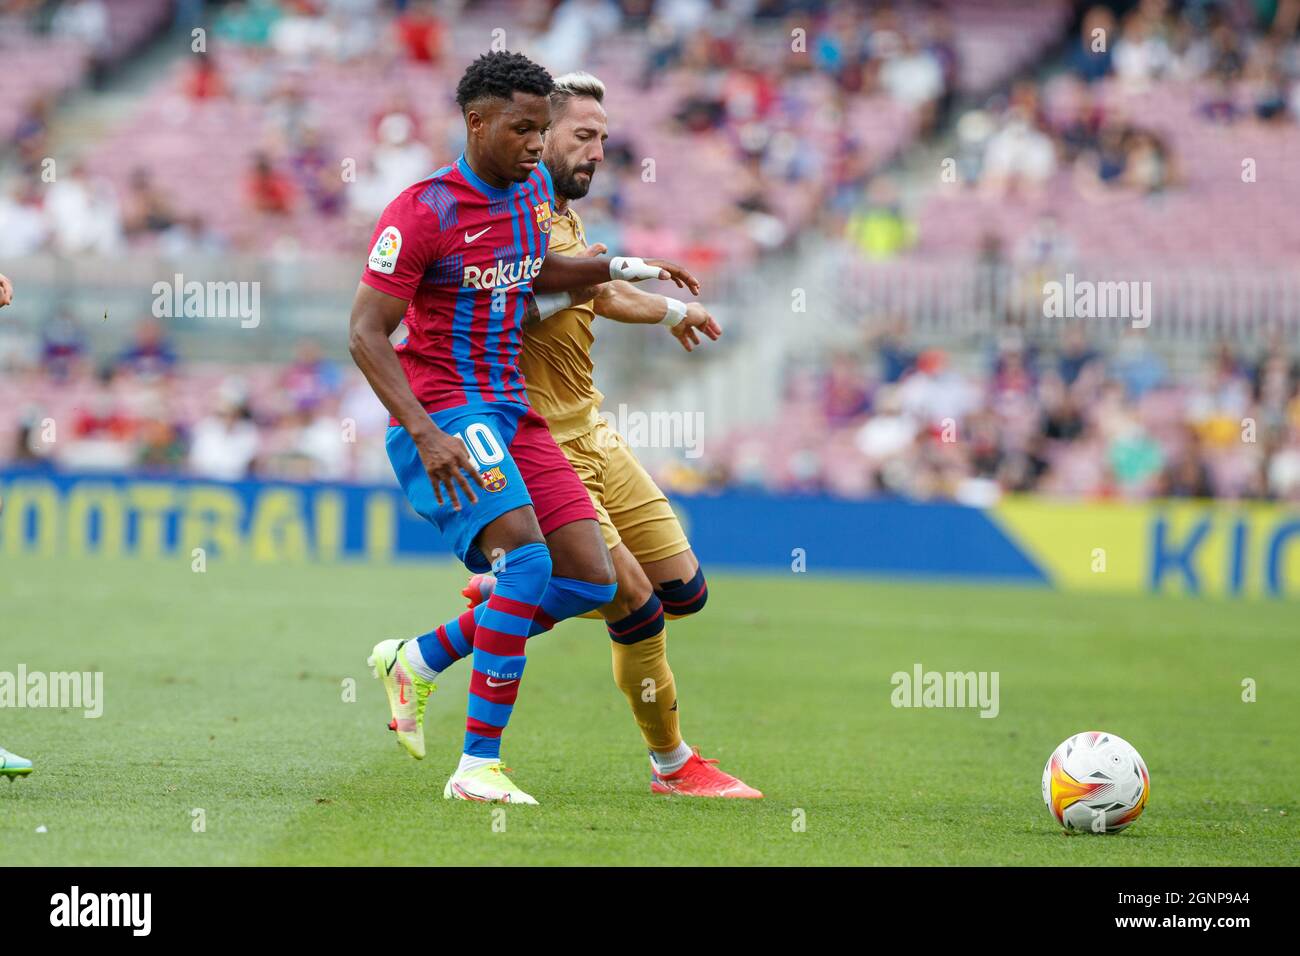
x=375 y=316
x=624 y=302
x=6 y=291
x=567 y=273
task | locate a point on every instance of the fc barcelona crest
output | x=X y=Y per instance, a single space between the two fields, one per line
x=543 y=212
x=493 y=479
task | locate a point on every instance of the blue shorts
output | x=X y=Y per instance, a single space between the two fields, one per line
x=514 y=451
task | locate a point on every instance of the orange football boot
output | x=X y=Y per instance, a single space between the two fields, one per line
x=479 y=589
x=699 y=777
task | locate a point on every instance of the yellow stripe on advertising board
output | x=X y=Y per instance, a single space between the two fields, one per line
x=1167 y=547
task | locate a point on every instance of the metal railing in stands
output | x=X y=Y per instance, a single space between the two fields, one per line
x=309 y=296
x=1192 y=307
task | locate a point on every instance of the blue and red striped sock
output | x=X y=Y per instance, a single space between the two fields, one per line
x=569 y=597
x=499 y=639
x=449 y=642
x=564 y=598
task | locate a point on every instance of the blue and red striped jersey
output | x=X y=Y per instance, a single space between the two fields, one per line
x=465 y=255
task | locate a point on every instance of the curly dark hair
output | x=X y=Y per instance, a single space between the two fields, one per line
x=501 y=74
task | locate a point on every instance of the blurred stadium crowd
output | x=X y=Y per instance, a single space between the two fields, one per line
x=1126 y=151
x=730 y=144
x=1073 y=420
x=886 y=418
x=302 y=118
x=144 y=409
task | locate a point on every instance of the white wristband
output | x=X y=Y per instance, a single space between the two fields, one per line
x=550 y=303
x=676 y=313
x=632 y=269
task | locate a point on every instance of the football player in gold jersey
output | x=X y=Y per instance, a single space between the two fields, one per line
x=659 y=576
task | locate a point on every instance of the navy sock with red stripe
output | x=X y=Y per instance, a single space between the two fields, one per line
x=645 y=622
x=683 y=597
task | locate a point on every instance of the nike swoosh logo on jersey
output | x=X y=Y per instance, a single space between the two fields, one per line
x=500 y=683
x=469 y=238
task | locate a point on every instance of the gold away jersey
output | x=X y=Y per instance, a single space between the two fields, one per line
x=556 y=357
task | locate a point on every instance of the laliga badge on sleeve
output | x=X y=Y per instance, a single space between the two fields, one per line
x=383 y=257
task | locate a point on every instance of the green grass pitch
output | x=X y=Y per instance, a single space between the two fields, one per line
x=225 y=692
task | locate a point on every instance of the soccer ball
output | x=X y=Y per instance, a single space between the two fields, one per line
x=1096 y=782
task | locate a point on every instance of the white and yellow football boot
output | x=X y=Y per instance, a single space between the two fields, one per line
x=486 y=784
x=13 y=766
x=407 y=694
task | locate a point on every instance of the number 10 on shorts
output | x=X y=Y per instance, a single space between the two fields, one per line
x=482 y=445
